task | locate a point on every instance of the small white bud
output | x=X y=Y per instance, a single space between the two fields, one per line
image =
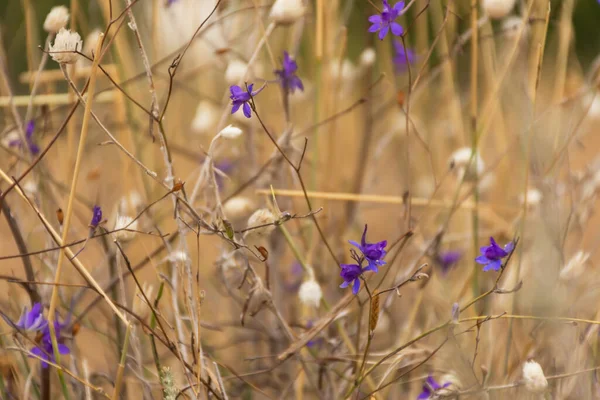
x=206 y=117
x=346 y=72
x=91 y=41
x=238 y=207
x=534 y=197
x=65 y=45
x=459 y=160
x=235 y=72
x=497 y=9
x=179 y=256
x=230 y=132
x=287 y=11
x=534 y=378
x=56 y=19
x=122 y=224
x=368 y=57
x=575 y=266
x=310 y=293
x=261 y=217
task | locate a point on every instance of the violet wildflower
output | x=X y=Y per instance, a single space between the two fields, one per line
x=287 y=75
x=44 y=348
x=402 y=57
x=430 y=387
x=386 y=20
x=447 y=259
x=33 y=148
x=492 y=255
x=351 y=274
x=32 y=320
x=240 y=97
x=373 y=252
x=96 y=217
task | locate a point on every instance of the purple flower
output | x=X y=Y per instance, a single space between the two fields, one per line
x=401 y=55
x=240 y=97
x=96 y=217
x=33 y=320
x=447 y=259
x=33 y=148
x=373 y=252
x=384 y=21
x=492 y=255
x=351 y=273
x=44 y=348
x=287 y=76
x=430 y=387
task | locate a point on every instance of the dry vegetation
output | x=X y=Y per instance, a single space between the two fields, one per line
x=214 y=270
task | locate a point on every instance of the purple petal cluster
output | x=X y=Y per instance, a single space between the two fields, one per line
x=401 y=56
x=448 y=259
x=241 y=98
x=492 y=255
x=372 y=253
x=96 y=217
x=386 y=20
x=33 y=147
x=430 y=387
x=287 y=75
x=34 y=321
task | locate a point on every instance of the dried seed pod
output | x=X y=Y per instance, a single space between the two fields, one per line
x=374 y=318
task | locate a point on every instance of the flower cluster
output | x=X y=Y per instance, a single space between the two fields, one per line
x=371 y=253
x=96 y=217
x=492 y=255
x=29 y=129
x=287 y=75
x=34 y=321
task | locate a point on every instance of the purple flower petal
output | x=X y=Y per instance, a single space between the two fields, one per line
x=375 y=19
x=482 y=260
x=399 y=6
x=397 y=30
x=495 y=265
x=356 y=286
x=247 y=110
x=236 y=106
x=384 y=30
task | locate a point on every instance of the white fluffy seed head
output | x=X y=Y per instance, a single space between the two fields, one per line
x=125 y=222
x=56 y=19
x=575 y=266
x=498 y=8
x=310 y=293
x=235 y=72
x=230 y=132
x=534 y=197
x=534 y=378
x=178 y=256
x=368 y=57
x=287 y=11
x=206 y=117
x=91 y=41
x=261 y=217
x=65 y=45
x=238 y=207
x=459 y=160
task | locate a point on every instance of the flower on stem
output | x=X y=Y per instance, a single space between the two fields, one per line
x=402 y=57
x=386 y=20
x=96 y=217
x=44 y=348
x=33 y=148
x=447 y=259
x=32 y=320
x=65 y=47
x=492 y=255
x=373 y=252
x=351 y=274
x=241 y=98
x=287 y=75
x=430 y=387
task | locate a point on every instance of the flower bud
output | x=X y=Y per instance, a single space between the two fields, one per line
x=65 y=45
x=237 y=207
x=310 y=293
x=533 y=377
x=497 y=9
x=56 y=19
x=287 y=11
x=230 y=132
x=459 y=161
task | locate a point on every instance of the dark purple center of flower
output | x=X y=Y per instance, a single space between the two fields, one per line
x=350 y=272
